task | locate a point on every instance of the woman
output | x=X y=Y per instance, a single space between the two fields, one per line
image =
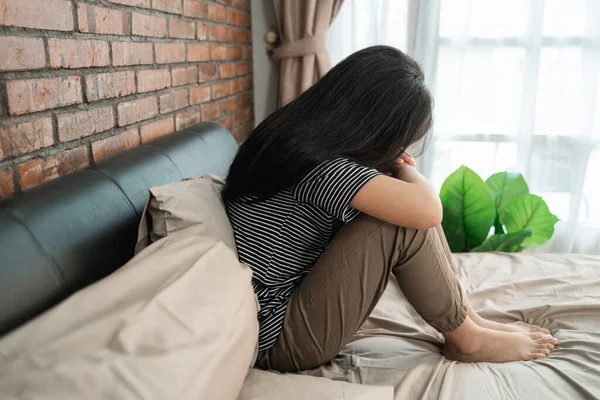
x=325 y=202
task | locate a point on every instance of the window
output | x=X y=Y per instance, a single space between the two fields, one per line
x=517 y=87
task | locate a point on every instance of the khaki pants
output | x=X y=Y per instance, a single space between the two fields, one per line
x=345 y=284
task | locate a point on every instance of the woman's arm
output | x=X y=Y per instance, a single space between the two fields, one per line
x=408 y=199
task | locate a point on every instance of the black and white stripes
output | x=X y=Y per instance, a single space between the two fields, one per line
x=282 y=237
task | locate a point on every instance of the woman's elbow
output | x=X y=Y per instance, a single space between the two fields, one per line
x=432 y=216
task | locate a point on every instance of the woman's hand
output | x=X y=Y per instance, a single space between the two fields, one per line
x=408 y=159
x=404 y=162
x=409 y=200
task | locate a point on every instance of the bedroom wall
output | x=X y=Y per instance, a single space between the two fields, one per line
x=81 y=80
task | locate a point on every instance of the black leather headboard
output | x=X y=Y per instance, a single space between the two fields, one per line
x=70 y=232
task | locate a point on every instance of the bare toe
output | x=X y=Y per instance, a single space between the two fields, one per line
x=531 y=328
x=549 y=346
x=538 y=335
x=538 y=355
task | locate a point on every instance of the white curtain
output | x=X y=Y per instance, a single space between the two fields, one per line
x=364 y=23
x=516 y=86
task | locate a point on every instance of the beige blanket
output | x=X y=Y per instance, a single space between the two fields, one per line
x=559 y=292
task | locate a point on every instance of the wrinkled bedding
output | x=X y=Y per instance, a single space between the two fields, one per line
x=559 y=292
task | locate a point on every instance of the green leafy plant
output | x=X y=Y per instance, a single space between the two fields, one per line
x=473 y=206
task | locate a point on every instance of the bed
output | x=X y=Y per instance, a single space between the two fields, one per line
x=559 y=292
x=53 y=242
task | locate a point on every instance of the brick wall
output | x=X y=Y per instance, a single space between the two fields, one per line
x=81 y=80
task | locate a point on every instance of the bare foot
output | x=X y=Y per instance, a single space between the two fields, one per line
x=510 y=327
x=473 y=343
x=528 y=327
x=498 y=326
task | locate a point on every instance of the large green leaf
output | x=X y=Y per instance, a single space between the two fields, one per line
x=469 y=209
x=530 y=211
x=505 y=187
x=508 y=242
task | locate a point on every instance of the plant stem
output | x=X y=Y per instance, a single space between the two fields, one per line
x=498 y=228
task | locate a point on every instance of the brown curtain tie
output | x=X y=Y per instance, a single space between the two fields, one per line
x=302 y=47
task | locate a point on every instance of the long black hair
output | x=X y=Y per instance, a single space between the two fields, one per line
x=368 y=108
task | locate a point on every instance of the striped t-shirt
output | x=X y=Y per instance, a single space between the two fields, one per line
x=282 y=237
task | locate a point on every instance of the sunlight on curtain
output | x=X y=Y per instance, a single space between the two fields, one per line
x=517 y=87
x=364 y=23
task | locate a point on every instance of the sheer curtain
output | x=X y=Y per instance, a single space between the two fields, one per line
x=517 y=87
x=364 y=23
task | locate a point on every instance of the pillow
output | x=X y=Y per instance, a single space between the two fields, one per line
x=176 y=322
x=189 y=207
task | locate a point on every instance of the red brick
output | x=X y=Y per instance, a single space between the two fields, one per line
x=169 y=52
x=210 y=112
x=247 y=53
x=241 y=36
x=208 y=72
x=186 y=119
x=197 y=52
x=241 y=118
x=102 y=20
x=153 y=79
x=84 y=123
x=36 y=172
x=226 y=122
x=237 y=18
x=125 y=53
x=242 y=4
x=110 y=84
x=184 y=76
x=135 y=3
x=242 y=68
x=157 y=129
x=216 y=13
x=244 y=100
x=224 y=34
x=219 y=90
x=21 y=53
x=226 y=71
x=7 y=185
x=199 y=95
x=148 y=25
x=201 y=31
x=239 y=85
x=228 y=106
x=173 y=101
x=213 y=33
x=233 y=17
x=115 y=144
x=194 y=8
x=32 y=95
x=245 y=20
x=234 y=53
x=170 y=6
x=241 y=134
x=72 y=160
x=74 y=53
x=181 y=29
x=56 y=15
x=137 y=110
x=226 y=2
x=25 y=137
x=218 y=52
